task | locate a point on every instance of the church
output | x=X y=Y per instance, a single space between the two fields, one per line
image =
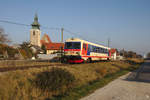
x=36 y=40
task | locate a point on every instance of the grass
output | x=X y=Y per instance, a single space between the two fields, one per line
x=90 y=87
x=88 y=77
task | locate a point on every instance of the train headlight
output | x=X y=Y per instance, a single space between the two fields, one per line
x=77 y=53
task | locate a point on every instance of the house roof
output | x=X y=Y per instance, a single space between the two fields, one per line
x=54 y=46
x=112 y=50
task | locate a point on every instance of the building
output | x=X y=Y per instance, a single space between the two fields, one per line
x=51 y=47
x=35 y=40
x=113 y=54
x=35 y=32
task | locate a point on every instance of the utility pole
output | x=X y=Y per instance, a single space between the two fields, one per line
x=62 y=33
x=108 y=42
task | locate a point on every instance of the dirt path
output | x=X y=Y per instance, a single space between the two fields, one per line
x=133 y=86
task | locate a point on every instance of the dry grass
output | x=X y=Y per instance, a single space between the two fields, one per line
x=136 y=60
x=19 y=84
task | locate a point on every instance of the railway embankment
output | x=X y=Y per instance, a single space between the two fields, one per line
x=62 y=82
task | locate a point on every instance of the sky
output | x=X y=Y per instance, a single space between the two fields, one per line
x=125 y=22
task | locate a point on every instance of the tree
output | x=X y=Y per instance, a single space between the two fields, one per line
x=43 y=48
x=148 y=55
x=3 y=37
x=129 y=54
x=26 y=47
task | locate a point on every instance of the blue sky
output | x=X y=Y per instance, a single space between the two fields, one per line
x=125 y=22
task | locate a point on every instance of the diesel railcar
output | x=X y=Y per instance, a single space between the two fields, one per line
x=77 y=51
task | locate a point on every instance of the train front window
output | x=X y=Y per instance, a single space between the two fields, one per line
x=72 y=45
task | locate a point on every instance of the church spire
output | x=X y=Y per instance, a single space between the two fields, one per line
x=35 y=24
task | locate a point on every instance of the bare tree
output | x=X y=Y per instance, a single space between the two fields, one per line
x=3 y=36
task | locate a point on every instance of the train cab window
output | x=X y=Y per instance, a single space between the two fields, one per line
x=72 y=45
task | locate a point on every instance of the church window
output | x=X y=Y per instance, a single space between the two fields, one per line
x=33 y=32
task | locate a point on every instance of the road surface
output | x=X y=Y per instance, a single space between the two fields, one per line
x=133 y=86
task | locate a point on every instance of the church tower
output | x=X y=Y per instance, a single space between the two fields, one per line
x=35 y=32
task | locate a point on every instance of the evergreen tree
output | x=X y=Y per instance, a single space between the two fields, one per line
x=43 y=48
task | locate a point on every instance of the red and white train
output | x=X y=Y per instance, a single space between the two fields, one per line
x=78 y=51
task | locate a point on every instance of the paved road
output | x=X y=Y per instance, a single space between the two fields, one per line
x=133 y=86
x=143 y=74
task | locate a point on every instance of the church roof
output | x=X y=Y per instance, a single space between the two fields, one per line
x=45 y=39
x=35 y=24
x=49 y=44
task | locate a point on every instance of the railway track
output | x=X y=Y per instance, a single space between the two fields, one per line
x=5 y=69
x=13 y=68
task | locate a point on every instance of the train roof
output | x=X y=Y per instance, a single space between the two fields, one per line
x=77 y=39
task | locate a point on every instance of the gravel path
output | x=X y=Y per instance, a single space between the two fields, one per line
x=125 y=88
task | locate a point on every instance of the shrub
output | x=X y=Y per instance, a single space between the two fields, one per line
x=55 y=81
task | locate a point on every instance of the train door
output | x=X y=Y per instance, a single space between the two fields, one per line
x=109 y=53
x=84 y=49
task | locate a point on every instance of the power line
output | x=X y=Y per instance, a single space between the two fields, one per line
x=80 y=36
x=72 y=33
x=10 y=22
x=49 y=28
x=21 y=24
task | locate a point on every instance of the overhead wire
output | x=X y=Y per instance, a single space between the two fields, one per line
x=44 y=27
x=10 y=22
x=72 y=33
x=16 y=23
x=50 y=28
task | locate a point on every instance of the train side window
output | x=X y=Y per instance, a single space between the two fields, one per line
x=94 y=48
x=105 y=51
x=101 y=50
x=97 y=49
x=89 y=47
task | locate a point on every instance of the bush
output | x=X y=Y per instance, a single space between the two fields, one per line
x=55 y=81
